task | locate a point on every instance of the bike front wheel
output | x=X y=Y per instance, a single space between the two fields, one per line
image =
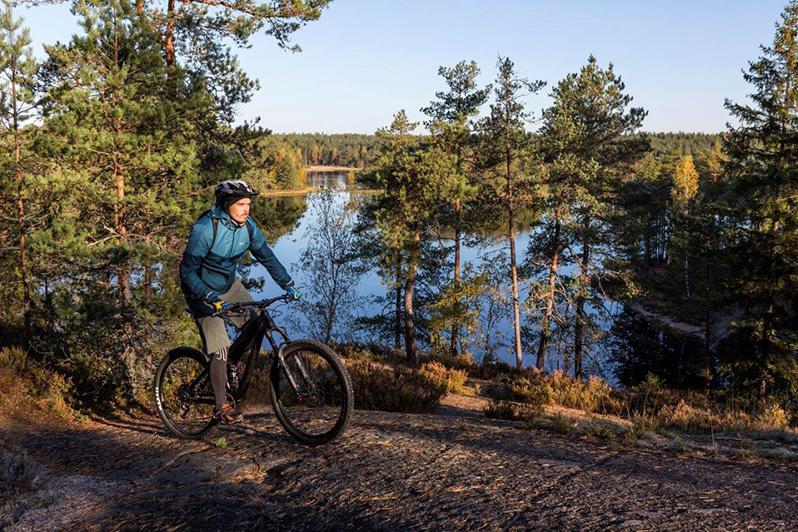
x=311 y=392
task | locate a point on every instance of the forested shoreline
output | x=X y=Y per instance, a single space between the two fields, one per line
x=114 y=141
x=360 y=151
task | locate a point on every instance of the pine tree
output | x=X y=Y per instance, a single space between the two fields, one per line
x=451 y=125
x=120 y=141
x=763 y=167
x=18 y=101
x=592 y=117
x=415 y=179
x=505 y=151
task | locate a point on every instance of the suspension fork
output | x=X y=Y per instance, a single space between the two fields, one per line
x=291 y=380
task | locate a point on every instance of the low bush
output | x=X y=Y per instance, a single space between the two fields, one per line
x=370 y=352
x=528 y=391
x=532 y=387
x=463 y=362
x=500 y=409
x=773 y=416
x=652 y=406
x=595 y=395
x=25 y=383
x=393 y=388
x=452 y=379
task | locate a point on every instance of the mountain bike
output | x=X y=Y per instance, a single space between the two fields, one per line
x=310 y=389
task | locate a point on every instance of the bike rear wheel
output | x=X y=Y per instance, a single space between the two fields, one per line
x=311 y=392
x=183 y=393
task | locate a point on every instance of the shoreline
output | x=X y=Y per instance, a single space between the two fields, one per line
x=309 y=190
x=323 y=169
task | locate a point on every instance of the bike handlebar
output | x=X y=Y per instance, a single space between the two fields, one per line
x=265 y=303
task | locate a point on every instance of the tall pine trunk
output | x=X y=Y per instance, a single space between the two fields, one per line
x=397 y=322
x=554 y=259
x=410 y=286
x=581 y=317
x=707 y=322
x=647 y=246
x=169 y=35
x=458 y=213
x=123 y=272
x=519 y=360
x=687 y=292
x=20 y=178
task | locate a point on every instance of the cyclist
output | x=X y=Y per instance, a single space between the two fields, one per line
x=219 y=238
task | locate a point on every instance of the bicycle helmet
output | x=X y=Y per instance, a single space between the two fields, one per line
x=232 y=190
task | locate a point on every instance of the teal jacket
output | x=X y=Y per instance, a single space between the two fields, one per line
x=208 y=267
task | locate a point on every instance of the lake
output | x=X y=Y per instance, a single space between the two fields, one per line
x=622 y=351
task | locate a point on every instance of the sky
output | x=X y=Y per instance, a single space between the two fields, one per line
x=363 y=60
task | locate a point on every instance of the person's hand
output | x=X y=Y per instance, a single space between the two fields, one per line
x=293 y=293
x=219 y=305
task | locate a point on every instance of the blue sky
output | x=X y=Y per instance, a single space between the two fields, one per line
x=365 y=59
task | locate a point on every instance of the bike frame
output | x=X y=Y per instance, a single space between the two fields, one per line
x=250 y=339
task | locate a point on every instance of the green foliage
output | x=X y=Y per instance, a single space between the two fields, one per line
x=470 y=304
x=274 y=164
x=586 y=144
x=414 y=178
x=350 y=150
x=763 y=169
x=451 y=124
x=18 y=104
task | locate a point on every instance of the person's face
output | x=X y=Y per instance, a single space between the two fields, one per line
x=240 y=210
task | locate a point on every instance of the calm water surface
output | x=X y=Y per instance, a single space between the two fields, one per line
x=625 y=352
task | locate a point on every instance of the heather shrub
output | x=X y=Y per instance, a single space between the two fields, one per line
x=25 y=383
x=500 y=409
x=595 y=395
x=452 y=379
x=774 y=416
x=393 y=388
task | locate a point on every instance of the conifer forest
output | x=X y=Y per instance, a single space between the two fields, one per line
x=649 y=258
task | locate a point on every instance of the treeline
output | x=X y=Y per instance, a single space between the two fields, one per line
x=697 y=228
x=360 y=151
x=352 y=150
x=112 y=145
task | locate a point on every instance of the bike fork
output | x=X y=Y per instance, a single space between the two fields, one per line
x=291 y=381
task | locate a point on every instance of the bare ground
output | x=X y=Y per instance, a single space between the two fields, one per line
x=451 y=470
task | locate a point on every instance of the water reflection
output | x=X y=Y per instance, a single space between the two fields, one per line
x=640 y=348
x=631 y=350
x=333 y=180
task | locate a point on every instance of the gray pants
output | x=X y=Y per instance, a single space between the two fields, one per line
x=212 y=328
x=216 y=340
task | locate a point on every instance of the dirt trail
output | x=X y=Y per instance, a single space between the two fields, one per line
x=389 y=471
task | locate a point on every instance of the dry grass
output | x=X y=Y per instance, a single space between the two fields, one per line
x=649 y=406
x=452 y=379
x=26 y=385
